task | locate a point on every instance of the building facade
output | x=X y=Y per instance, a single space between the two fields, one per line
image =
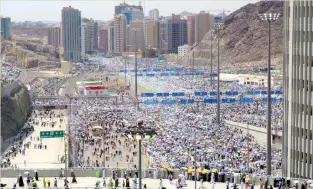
x=71 y=34
x=154 y=14
x=54 y=36
x=6 y=28
x=177 y=33
x=111 y=38
x=95 y=36
x=191 y=30
x=203 y=23
x=119 y=33
x=151 y=34
x=163 y=36
x=83 y=41
x=183 y=50
x=132 y=14
x=119 y=8
x=103 y=40
x=298 y=89
x=136 y=42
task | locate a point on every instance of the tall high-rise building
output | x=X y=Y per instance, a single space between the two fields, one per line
x=298 y=89
x=151 y=33
x=119 y=33
x=191 y=30
x=203 y=23
x=91 y=35
x=177 y=33
x=103 y=39
x=6 y=28
x=54 y=36
x=127 y=37
x=95 y=36
x=154 y=14
x=139 y=38
x=71 y=33
x=132 y=14
x=84 y=30
x=163 y=36
x=119 y=8
x=111 y=38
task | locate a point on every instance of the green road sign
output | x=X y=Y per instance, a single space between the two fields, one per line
x=51 y=134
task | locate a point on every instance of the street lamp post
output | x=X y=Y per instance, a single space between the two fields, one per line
x=125 y=63
x=211 y=56
x=136 y=68
x=217 y=28
x=269 y=17
x=140 y=132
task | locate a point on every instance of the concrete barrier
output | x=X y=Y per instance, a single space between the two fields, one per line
x=258 y=132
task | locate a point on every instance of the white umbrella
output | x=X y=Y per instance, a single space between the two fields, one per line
x=26 y=172
x=181 y=175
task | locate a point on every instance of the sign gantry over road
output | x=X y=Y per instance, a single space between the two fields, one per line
x=51 y=134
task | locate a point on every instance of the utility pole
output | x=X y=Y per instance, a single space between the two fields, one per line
x=136 y=67
x=218 y=27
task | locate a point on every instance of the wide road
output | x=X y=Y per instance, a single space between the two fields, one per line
x=150 y=183
x=50 y=157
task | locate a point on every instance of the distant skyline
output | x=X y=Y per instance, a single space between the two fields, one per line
x=24 y=10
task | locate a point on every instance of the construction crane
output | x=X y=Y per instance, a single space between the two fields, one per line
x=221 y=11
x=144 y=6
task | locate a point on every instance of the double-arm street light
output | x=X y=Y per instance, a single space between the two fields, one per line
x=217 y=28
x=136 y=68
x=140 y=132
x=269 y=17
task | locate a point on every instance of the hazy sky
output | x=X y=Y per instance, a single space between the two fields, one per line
x=45 y=10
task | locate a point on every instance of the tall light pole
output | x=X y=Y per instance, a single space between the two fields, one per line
x=217 y=28
x=269 y=17
x=136 y=68
x=126 y=62
x=211 y=56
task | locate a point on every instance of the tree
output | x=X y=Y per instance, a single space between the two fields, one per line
x=150 y=53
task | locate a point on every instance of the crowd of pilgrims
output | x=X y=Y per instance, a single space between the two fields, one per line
x=100 y=126
x=180 y=127
x=217 y=145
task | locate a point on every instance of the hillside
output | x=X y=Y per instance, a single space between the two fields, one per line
x=15 y=111
x=28 y=54
x=244 y=38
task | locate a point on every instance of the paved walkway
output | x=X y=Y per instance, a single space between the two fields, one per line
x=91 y=181
x=36 y=158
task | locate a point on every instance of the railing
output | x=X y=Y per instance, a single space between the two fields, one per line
x=76 y=187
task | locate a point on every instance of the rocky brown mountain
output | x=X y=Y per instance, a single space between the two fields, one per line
x=29 y=54
x=244 y=38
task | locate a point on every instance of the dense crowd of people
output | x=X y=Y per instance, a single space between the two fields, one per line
x=9 y=73
x=184 y=131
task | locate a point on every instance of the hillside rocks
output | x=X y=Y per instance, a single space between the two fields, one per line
x=28 y=54
x=15 y=111
x=244 y=37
